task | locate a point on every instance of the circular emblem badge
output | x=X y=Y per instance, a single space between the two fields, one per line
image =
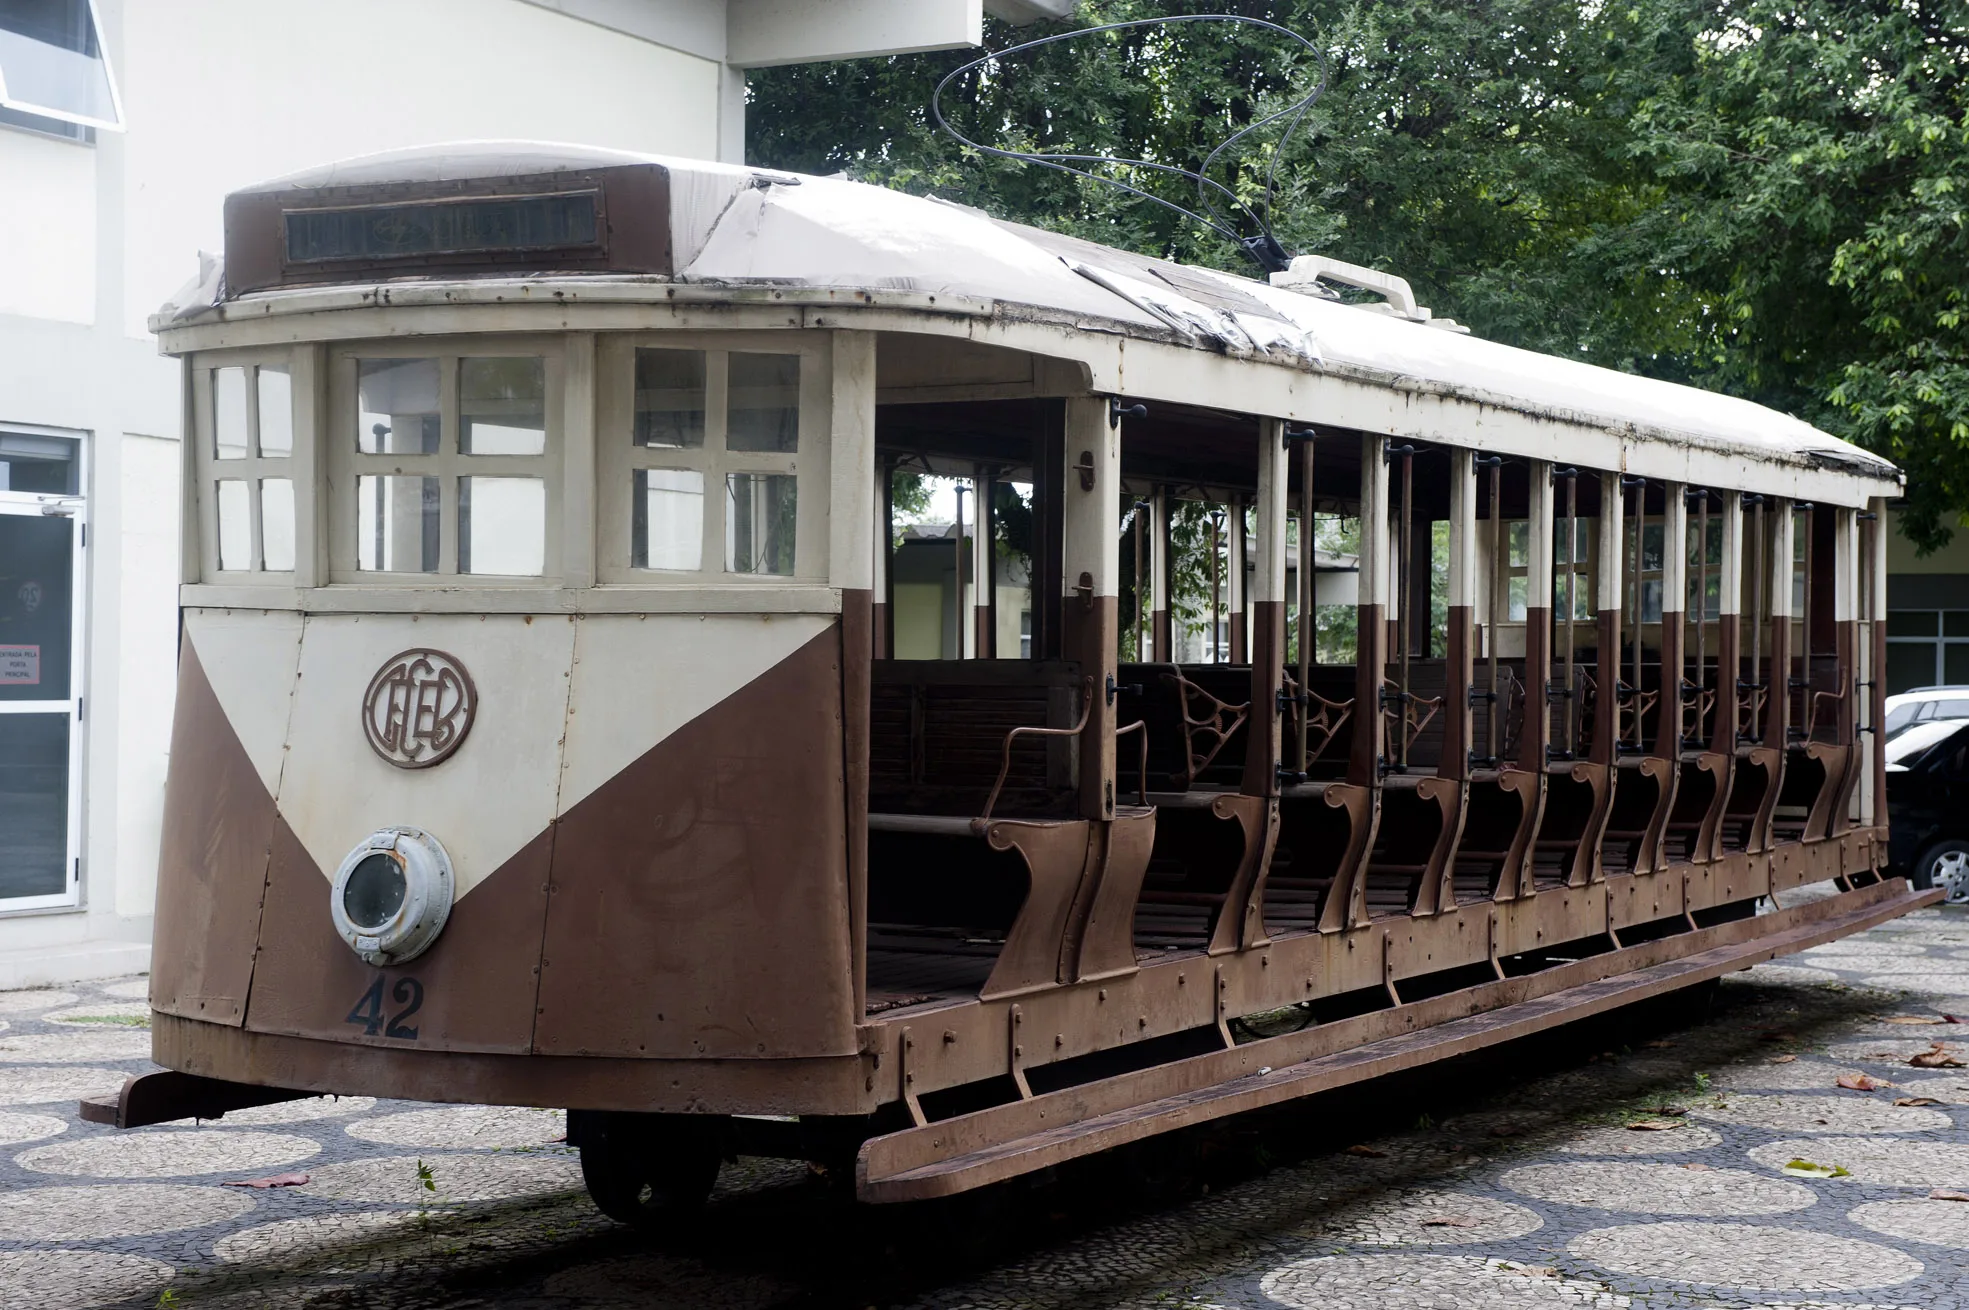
x=418 y=708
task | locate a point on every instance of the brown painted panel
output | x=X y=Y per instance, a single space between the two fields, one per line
x=699 y=904
x=212 y=869
x=473 y=990
x=1261 y=741
x=1535 y=732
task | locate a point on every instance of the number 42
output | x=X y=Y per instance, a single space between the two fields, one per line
x=368 y=1011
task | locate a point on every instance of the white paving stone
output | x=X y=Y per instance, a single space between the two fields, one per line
x=169 y=1153
x=464 y=1127
x=1890 y=1161
x=1425 y=1216
x=74 y=1047
x=1428 y=1282
x=137 y=989
x=1952 y=1087
x=32 y=1086
x=103 y=1014
x=77 y=1280
x=35 y=1001
x=393 y=1179
x=1803 y=1075
x=1626 y=1141
x=1869 y=948
x=1749 y=1256
x=1645 y=1187
x=1898 y=1050
x=1785 y=974
x=1918 y=1219
x=16 y=1128
x=1924 y=983
x=1840 y=1112
x=297 y=1239
x=83 y=1214
x=1861 y=962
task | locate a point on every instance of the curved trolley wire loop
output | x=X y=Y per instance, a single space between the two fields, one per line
x=1264 y=248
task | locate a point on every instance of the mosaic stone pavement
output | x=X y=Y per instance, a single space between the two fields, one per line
x=1541 y=1195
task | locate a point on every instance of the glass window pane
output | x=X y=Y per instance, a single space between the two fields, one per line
x=34 y=804
x=502 y=406
x=1651 y=600
x=502 y=526
x=276 y=411
x=670 y=398
x=235 y=525
x=51 y=63
x=277 y=524
x=1651 y=548
x=1955 y=623
x=759 y=522
x=667 y=520
x=49 y=465
x=763 y=413
x=1516 y=610
x=1955 y=665
x=1518 y=535
x=397 y=408
x=397 y=524
x=229 y=413
x=1912 y=623
x=37 y=614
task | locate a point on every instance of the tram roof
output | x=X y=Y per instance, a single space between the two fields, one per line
x=738 y=227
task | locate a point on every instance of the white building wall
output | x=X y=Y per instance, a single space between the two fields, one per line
x=47 y=228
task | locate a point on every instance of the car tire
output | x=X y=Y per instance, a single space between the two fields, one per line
x=1945 y=865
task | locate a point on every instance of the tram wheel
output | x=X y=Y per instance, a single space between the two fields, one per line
x=650 y=1188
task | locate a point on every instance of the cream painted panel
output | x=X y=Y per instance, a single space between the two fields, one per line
x=250 y=658
x=486 y=801
x=637 y=679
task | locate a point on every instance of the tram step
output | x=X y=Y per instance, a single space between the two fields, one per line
x=968 y=1151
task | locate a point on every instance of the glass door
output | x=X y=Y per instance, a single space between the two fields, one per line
x=41 y=541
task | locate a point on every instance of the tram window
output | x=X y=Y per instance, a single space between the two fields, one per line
x=229 y=413
x=667 y=520
x=276 y=523
x=502 y=526
x=396 y=524
x=1574 y=583
x=759 y=523
x=502 y=406
x=670 y=400
x=235 y=525
x=763 y=413
x=398 y=406
x=1518 y=538
x=1650 y=568
x=276 y=411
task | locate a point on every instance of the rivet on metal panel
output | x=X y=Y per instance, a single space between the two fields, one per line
x=1181 y=980
x=1102 y=994
x=949 y=1037
x=905 y=1045
x=1018 y=1054
x=1264 y=961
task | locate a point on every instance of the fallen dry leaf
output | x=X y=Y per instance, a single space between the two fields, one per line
x=1943 y=1194
x=1652 y=1125
x=1916 y=1100
x=275 y=1180
x=1450 y=1221
x=1659 y=1045
x=1949 y=1018
x=1506 y=1130
x=1367 y=1151
x=1859 y=1082
x=1782 y=1059
x=1937 y=1056
x=1912 y=1018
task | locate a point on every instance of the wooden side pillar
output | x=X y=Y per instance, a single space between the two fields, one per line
x=881 y=554
x=1609 y=587
x=1674 y=594
x=1729 y=627
x=1162 y=636
x=853 y=473
x=1236 y=552
x=1777 y=668
x=1371 y=628
x=1846 y=644
x=1049 y=490
x=984 y=559
x=1876 y=667
x=1261 y=759
x=1535 y=736
x=1459 y=639
x=1091 y=553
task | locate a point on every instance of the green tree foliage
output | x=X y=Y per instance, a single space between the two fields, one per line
x=1760 y=196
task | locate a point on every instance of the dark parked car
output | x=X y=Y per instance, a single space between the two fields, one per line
x=1928 y=806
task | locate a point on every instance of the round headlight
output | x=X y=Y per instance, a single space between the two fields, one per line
x=392 y=895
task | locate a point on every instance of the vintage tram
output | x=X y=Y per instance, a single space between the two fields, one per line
x=557 y=726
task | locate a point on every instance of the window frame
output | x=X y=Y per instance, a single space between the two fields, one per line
x=83 y=121
x=618 y=458
x=208 y=470
x=345 y=464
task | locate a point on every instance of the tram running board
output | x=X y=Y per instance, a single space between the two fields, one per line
x=931 y=1161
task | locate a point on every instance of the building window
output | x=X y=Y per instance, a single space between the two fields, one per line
x=52 y=64
x=452 y=458
x=1927 y=648
x=245 y=418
